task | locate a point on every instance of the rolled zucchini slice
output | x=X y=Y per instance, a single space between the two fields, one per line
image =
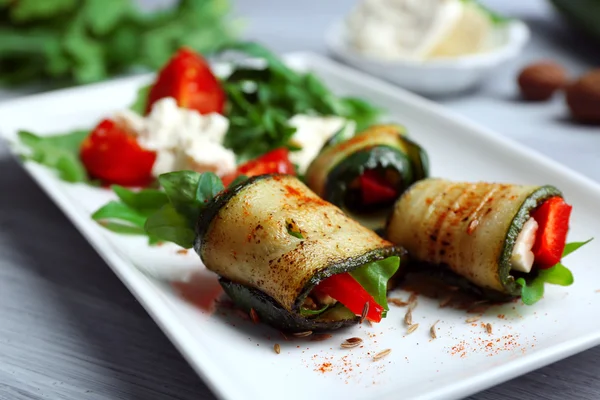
x=272 y=240
x=383 y=153
x=466 y=232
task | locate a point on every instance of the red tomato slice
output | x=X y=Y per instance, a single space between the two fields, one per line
x=274 y=162
x=553 y=225
x=110 y=154
x=345 y=289
x=375 y=189
x=188 y=78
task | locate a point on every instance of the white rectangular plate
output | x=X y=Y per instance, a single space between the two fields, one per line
x=236 y=358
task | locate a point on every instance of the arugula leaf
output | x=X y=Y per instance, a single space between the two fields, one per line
x=75 y=41
x=141 y=100
x=531 y=292
x=58 y=152
x=571 y=247
x=169 y=225
x=374 y=277
x=263 y=100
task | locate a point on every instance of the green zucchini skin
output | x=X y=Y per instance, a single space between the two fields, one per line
x=240 y=236
x=271 y=313
x=466 y=232
x=333 y=174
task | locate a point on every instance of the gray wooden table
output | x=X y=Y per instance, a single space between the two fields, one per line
x=70 y=330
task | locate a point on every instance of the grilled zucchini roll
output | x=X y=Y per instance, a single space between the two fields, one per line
x=496 y=238
x=366 y=174
x=298 y=261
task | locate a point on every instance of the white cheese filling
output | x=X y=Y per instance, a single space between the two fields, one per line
x=183 y=139
x=522 y=257
x=311 y=134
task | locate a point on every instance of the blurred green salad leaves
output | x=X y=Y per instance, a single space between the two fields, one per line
x=82 y=41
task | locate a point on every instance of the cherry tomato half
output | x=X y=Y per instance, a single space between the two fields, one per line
x=274 y=162
x=110 y=154
x=188 y=79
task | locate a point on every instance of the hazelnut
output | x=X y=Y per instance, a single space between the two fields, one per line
x=583 y=98
x=540 y=80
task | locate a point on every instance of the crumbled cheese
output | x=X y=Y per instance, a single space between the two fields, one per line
x=311 y=134
x=183 y=139
x=522 y=257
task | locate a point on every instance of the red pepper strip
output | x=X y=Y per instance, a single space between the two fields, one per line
x=274 y=162
x=553 y=224
x=375 y=189
x=345 y=289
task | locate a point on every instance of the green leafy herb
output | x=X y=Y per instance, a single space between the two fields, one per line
x=374 y=278
x=295 y=234
x=128 y=215
x=533 y=290
x=141 y=100
x=307 y=312
x=262 y=101
x=571 y=247
x=88 y=40
x=169 y=225
x=188 y=194
x=238 y=180
x=58 y=152
x=293 y=229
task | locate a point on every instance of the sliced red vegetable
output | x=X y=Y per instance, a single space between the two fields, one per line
x=553 y=224
x=274 y=162
x=112 y=155
x=345 y=289
x=187 y=78
x=375 y=189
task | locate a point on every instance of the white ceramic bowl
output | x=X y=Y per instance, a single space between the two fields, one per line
x=439 y=77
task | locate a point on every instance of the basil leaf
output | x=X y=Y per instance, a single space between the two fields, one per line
x=146 y=199
x=374 y=277
x=116 y=210
x=531 y=292
x=209 y=185
x=557 y=275
x=571 y=247
x=169 y=225
x=122 y=228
